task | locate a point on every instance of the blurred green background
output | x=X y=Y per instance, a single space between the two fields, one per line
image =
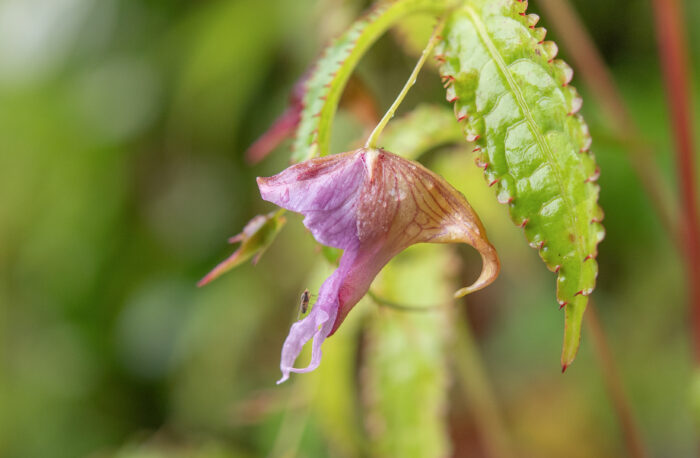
x=122 y=130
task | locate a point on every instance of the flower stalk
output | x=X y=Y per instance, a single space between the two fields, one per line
x=374 y=136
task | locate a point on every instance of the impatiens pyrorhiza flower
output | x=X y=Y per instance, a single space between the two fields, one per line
x=372 y=204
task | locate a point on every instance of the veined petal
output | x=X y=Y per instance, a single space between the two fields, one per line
x=317 y=325
x=325 y=191
x=372 y=204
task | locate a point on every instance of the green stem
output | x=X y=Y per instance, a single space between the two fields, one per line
x=374 y=136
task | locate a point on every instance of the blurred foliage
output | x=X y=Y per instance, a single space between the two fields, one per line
x=405 y=375
x=122 y=128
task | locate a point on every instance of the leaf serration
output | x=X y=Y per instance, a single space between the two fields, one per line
x=533 y=145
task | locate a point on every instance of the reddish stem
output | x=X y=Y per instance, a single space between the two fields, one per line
x=673 y=52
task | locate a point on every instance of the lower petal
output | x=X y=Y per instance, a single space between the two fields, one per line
x=316 y=326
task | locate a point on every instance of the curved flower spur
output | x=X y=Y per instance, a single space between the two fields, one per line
x=372 y=204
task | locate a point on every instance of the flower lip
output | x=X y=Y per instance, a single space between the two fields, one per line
x=372 y=204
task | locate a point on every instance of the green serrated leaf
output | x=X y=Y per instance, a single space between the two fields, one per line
x=405 y=373
x=514 y=99
x=332 y=71
x=419 y=131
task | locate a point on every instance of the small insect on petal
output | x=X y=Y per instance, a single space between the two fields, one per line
x=304 y=302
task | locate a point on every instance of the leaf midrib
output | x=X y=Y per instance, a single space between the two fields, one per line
x=534 y=128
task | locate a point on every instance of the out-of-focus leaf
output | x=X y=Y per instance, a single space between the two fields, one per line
x=332 y=71
x=256 y=237
x=163 y=447
x=331 y=254
x=405 y=376
x=424 y=128
x=228 y=46
x=413 y=32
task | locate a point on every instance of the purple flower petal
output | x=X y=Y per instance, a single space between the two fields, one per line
x=372 y=204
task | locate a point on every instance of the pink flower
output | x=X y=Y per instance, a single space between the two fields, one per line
x=372 y=204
